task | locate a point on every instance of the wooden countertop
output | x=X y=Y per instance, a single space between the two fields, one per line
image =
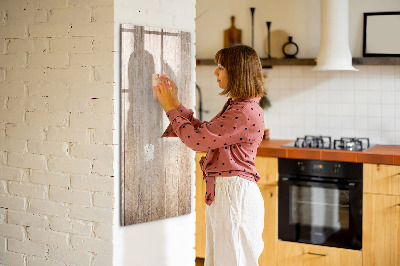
x=379 y=154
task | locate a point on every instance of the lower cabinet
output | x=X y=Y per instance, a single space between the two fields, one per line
x=381 y=222
x=381 y=230
x=297 y=254
x=270 y=233
x=200 y=210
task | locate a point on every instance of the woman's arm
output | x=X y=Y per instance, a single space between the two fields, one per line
x=186 y=113
x=228 y=129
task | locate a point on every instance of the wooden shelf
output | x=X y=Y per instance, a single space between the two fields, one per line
x=376 y=61
x=312 y=61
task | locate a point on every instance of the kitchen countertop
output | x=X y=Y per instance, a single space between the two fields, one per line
x=379 y=154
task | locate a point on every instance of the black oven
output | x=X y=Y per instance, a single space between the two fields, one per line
x=320 y=202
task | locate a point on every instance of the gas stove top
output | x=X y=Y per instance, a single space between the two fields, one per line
x=325 y=142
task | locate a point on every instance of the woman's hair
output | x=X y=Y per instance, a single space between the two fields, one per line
x=245 y=78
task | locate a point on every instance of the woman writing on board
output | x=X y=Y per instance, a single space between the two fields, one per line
x=235 y=207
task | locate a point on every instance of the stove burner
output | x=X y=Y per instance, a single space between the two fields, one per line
x=308 y=141
x=324 y=142
x=351 y=144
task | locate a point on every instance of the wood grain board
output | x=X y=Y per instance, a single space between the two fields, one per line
x=155 y=171
x=232 y=35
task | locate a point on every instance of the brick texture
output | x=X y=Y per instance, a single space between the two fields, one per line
x=56 y=127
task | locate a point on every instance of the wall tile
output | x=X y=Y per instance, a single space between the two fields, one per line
x=388 y=97
x=388 y=124
x=375 y=136
x=388 y=110
x=374 y=110
x=322 y=95
x=361 y=123
x=374 y=97
x=322 y=121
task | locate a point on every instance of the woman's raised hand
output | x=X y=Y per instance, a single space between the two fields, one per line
x=174 y=90
x=164 y=96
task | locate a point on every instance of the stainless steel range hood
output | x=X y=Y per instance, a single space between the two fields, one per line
x=334 y=52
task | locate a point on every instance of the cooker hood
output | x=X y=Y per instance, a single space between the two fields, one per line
x=334 y=52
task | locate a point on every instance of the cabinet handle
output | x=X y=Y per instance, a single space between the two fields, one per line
x=318 y=254
x=398 y=204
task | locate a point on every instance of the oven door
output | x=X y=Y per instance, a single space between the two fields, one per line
x=315 y=211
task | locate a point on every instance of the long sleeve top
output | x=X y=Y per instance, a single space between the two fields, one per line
x=231 y=139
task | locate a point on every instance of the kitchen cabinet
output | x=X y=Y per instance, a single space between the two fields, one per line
x=270 y=233
x=381 y=179
x=381 y=215
x=200 y=209
x=267 y=167
x=381 y=221
x=298 y=254
x=381 y=230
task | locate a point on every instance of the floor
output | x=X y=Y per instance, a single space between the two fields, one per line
x=199 y=262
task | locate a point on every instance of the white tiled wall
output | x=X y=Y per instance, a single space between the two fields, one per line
x=338 y=104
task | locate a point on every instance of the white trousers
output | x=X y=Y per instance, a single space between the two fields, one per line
x=234 y=223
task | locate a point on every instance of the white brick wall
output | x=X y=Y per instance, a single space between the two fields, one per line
x=56 y=127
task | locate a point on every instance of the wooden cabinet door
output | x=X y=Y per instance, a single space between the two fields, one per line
x=200 y=209
x=297 y=254
x=381 y=179
x=381 y=230
x=267 y=168
x=270 y=233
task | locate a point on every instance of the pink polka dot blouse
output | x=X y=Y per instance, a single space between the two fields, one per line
x=231 y=139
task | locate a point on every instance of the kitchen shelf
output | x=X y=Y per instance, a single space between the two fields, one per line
x=268 y=62
x=376 y=61
x=312 y=61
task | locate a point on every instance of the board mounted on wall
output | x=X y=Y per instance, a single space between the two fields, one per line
x=155 y=171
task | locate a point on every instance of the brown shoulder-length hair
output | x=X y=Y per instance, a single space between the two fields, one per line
x=245 y=78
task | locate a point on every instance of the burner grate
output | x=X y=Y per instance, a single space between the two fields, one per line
x=351 y=144
x=321 y=142
x=324 y=142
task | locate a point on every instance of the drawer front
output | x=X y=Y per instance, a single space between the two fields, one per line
x=293 y=254
x=381 y=179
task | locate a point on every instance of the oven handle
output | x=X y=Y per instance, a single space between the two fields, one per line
x=297 y=181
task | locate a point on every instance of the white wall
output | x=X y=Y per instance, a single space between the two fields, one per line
x=56 y=120
x=170 y=241
x=299 y=18
x=338 y=104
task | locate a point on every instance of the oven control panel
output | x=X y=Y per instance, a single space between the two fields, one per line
x=330 y=169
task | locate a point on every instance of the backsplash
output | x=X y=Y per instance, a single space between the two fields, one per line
x=337 y=104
